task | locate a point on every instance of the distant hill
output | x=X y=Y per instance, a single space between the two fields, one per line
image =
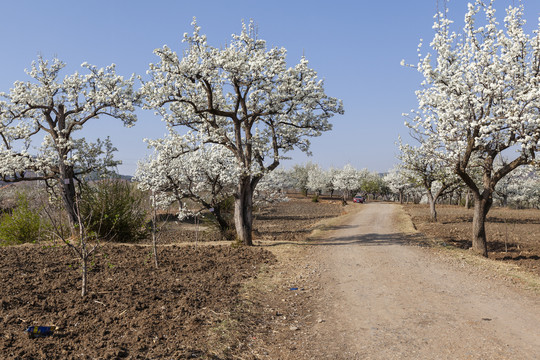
x=91 y=177
x=126 y=177
x=96 y=176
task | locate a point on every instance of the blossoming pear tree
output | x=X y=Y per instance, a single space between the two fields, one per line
x=372 y=183
x=48 y=111
x=272 y=188
x=480 y=98
x=300 y=175
x=397 y=182
x=424 y=166
x=317 y=179
x=206 y=176
x=243 y=97
x=521 y=188
x=330 y=176
x=525 y=191
x=347 y=180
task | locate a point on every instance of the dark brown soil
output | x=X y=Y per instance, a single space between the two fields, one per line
x=188 y=308
x=513 y=235
x=294 y=219
x=289 y=220
x=203 y=302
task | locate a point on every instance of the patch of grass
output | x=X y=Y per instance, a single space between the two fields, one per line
x=223 y=336
x=23 y=225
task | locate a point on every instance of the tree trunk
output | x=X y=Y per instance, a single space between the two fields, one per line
x=69 y=192
x=505 y=200
x=154 y=230
x=432 y=209
x=67 y=173
x=243 y=212
x=345 y=195
x=468 y=200
x=84 y=275
x=222 y=223
x=482 y=204
x=401 y=197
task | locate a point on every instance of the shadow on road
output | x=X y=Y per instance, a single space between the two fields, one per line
x=340 y=227
x=416 y=239
x=369 y=240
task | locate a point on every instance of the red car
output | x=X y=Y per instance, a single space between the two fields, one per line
x=359 y=199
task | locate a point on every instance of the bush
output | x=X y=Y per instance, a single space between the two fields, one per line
x=22 y=225
x=114 y=210
x=223 y=218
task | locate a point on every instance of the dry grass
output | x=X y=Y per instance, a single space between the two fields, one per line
x=513 y=238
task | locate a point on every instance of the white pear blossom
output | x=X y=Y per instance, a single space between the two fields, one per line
x=520 y=189
x=348 y=180
x=243 y=97
x=38 y=120
x=397 y=182
x=318 y=179
x=299 y=175
x=425 y=166
x=199 y=180
x=272 y=188
x=400 y=185
x=480 y=98
x=206 y=176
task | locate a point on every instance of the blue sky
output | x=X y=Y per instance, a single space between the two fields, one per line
x=356 y=46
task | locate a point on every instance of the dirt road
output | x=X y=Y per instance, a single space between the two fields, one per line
x=382 y=299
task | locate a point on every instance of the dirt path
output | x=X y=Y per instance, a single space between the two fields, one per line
x=381 y=299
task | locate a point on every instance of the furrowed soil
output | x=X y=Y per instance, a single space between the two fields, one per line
x=185 y=309
x=323 y=281
x=195 y=305
x=513 y=234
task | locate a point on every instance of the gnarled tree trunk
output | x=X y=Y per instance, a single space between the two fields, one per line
x=468 y=199
x=482 y=204
x=431 y=201
x=243 y=211
x=69 y=192
x=222 y=223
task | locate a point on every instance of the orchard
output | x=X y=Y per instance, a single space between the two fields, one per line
x=223 y=241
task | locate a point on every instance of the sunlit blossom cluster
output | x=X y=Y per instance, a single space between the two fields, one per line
x=521 y=188
x=241 y=98
x=49 y=110
x=480 y=100
x=427 y=167
x=481 y=91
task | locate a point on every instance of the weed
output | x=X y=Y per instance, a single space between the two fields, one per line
x=23 y=225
